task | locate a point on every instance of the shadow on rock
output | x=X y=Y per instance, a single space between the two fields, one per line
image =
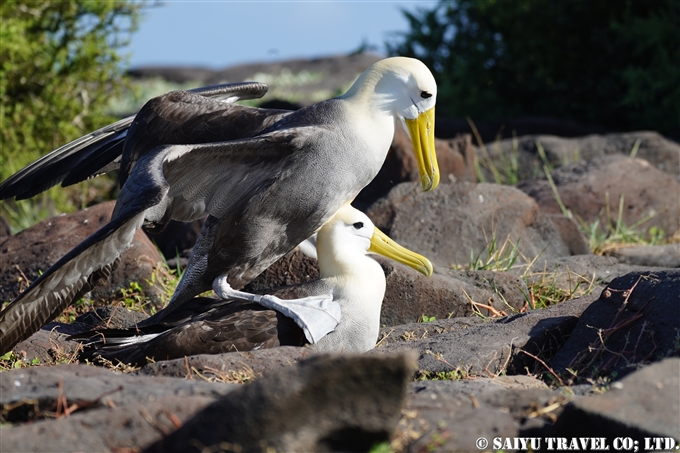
x=336 y=403
x=635 y=321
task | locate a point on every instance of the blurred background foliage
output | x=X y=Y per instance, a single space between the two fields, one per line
x=615 y=64
x=59 y=65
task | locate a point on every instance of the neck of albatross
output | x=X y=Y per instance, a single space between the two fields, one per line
x=342 y=257
x=375 y=90
x=372 y=106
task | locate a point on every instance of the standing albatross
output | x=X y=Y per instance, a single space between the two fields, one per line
x=208 y=326
x=263 y=192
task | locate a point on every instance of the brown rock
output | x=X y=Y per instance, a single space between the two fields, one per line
x=460 y=223
x=569 y=233
x=41 y=384
x=486 y=348
x=665 y=255
x=451 y=415
x=455 y=156
x=111 y=411
x=232 y=366
x=592 y=191
x=48 y=345
x=51 y=345
x=24 y=255
x=662 y=153
x=446 y=294
x=327 y=403
x=634 y=321
x=644 y=405
x=127 y=428
x=576 y=274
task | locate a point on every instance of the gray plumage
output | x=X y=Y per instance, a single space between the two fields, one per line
x=210 y=326
x=273 y=181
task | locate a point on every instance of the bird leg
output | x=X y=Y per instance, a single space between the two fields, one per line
x=224 y=291
x=316 y=315
x=308 y=247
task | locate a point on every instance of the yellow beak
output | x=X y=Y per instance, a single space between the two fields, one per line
x=421 y=131
x=383 y=245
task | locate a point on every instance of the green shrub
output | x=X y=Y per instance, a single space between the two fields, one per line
x=612 y=63
x=59 y=65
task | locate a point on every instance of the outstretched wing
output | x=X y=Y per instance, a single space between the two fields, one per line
x=167 y=179
x=231 y=92
x=100 y=151
x=221 y=178
x=52 y=168
x=183 y=118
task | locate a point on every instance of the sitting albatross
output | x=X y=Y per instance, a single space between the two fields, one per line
x=272 y=185
x=209 y=326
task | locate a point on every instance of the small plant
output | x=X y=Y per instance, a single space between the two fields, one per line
x=604 y=239
x=504 y=168
x=382 y=447
x=656 y=235
x=133 y=297
x=425 y=318
x=168 y=278
x=244 y=375
x=544 y=290
x=11 y=361
x=497 y=258
x=615 y=234
x=74 y=310
x=409 y=335
x=453 y=375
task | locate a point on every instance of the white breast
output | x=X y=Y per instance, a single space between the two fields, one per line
x=360 y=296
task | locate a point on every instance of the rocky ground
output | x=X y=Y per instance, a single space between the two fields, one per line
x=522 y=332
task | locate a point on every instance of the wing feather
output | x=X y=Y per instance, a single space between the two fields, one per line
x=23 y=319
x=221 y=176
x=76 y=272
x=100 y=151
x=203 y=326
x=67 y=279
x=54 y=167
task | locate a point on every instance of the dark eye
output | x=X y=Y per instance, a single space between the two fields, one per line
x=358 y=225
x=425 y=94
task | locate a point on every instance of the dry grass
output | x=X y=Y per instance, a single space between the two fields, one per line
x=114 y=366
x=244 y=375
x=545 y=289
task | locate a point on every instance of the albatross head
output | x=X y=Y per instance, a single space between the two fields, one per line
x=350 y=235
x=405 y=88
